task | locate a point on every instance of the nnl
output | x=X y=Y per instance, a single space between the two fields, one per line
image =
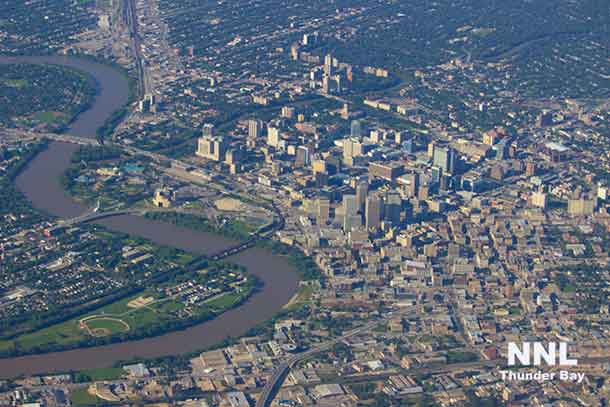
x=539 y=352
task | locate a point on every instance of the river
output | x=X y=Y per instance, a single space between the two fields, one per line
x=40 y=182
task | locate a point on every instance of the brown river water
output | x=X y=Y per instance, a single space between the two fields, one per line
x=40 y=182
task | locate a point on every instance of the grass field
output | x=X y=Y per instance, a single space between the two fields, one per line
x=105 y=326
x=302 y=297
x=223 y=301
x=60 y=334
x=49 y=117
x=70 y=331
x=15 y=83
x=112 y=319
x=81 y=397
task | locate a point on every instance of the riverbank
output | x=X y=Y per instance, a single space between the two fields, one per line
x=45 y=97
x=13 y=204
x=137 y=313
x=40 y=183
x=231 y=229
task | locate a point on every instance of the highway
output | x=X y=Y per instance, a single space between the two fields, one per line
x=275 y=382
x=128 y=13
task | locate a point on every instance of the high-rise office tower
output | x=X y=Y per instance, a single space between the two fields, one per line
x=362 y=190
x=352 y=147
x=255 y=128
x=373 y=211
x=273 y=136
x=411 y=184
x=444 y=158
x=445 y=182
x=350 y=204
x=351 y=222
x=302 y=156
x=212 y=148
x=431 y=147
x=326 y=84
x=323 y=211
x=437 y=172
x=423 y=192
x=392 y=207
x=356 y=129
x=328 y=65
x=351 y=219
x=294 y=52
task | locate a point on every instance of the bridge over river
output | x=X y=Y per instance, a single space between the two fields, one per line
x=39 y=182
x=93 y=215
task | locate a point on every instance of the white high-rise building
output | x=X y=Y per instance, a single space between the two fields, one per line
x=255 y=128
x=273 y=137
x=328 y=65
x=211 y=148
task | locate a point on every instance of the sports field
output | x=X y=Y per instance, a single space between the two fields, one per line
x=137 y=313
